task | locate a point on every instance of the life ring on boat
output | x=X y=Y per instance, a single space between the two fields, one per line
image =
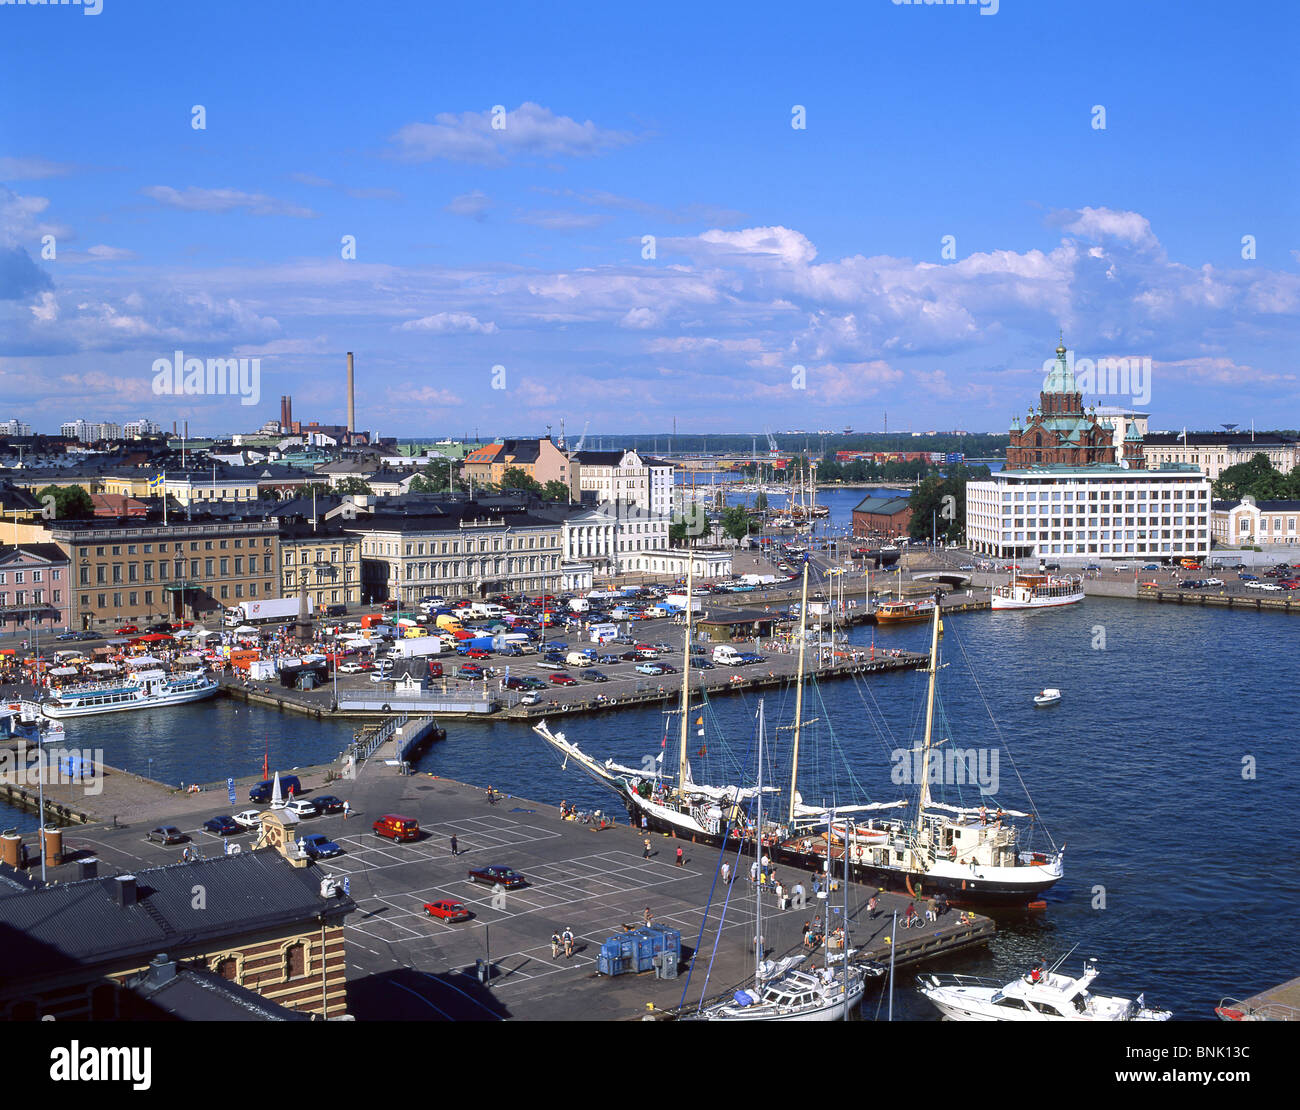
x=234 y=849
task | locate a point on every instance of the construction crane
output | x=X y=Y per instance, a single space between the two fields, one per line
x=772 y=448
x=583 y=438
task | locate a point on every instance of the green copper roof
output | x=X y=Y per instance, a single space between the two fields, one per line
x=1061 y=378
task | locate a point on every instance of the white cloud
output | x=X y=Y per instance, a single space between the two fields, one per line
x=445 y=323
x=194 y=199
x=473 y=204
x=31 y=169
x=530 y=130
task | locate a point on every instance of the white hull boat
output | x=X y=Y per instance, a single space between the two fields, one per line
x=149 y=689
x=1045 y=996
x=1050 y=696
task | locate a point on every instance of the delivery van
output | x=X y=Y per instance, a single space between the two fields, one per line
x=726 y=655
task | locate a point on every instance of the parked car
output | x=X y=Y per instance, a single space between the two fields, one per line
x=496 y=874
x=1148 y=566
x=608 y=660
x=223 y=826
x=127 y=630
x=166 y=834
x=447 y=910
x=650 y=668
x=513 y=683
x=303 y=807
x=1214 y=582
x=1248 y=578
x=289 y=784
x=68 y=636
x=593 y=675
x=161 y=626
x=469 y=670
x=248 y=818
x=350 y=667
x=328 y=803
x=563 y=680
x=320 y=846
x=530 y=698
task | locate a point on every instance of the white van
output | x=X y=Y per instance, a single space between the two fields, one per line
x=726 y=655
x=579 y=605
x=577 y=659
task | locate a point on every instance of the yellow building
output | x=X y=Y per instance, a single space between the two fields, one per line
x=328 y=559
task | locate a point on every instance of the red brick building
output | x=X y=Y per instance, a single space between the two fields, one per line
x=1061 y=432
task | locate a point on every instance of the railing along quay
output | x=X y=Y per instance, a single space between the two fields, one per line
x=1230 y=601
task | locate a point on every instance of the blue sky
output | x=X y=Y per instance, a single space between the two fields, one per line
x=775 y=247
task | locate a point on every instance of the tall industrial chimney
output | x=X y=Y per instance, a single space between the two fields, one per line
x=352 y=412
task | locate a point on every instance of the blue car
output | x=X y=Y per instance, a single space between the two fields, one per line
x=222 y=826
x=320 y=846
x=1248 y=577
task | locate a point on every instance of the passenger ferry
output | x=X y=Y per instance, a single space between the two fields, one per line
x=145 y=688
x=904 y=612
x=1038 y=591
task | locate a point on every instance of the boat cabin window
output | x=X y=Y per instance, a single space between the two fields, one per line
x=1016 y=1004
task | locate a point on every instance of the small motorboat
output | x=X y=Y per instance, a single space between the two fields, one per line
x=1050 y=696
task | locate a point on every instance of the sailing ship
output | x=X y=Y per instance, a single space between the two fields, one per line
x=966 y=853
x=1038 y=591
x=147 y=686
x=654 y=798
x=781 y=991
x=1037 y=996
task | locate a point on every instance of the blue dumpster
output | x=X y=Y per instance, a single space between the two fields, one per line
x=636 y=950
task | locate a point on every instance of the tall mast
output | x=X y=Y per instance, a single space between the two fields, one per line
x=798 y=694
x=758 y=855
x=686 y=668
x=929 y=719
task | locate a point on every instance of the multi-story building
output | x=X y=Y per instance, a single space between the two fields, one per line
x=142 y=571
x=540 y=459
x=1067 y=490
x=185 y=488
x=139 y=429
x=15 y=428
x=34 y=589
x=607 y=477
x=326 y=557
x=82 y=949
x=1215 y=452
x=466 y=549
x=1261 y=523
x=615 y=538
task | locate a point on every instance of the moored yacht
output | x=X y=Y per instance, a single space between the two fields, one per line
x=1040 y=995
x=1038 y=591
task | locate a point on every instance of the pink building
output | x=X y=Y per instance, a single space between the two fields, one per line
x=35 y=593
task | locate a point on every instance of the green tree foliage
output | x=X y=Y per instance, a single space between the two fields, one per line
x=677 y=534
x=514 y=478
x=555 y=490
x=70 y=503
x=737 y=523
x=353 y=485
x=1257 y=478
x=939 y=504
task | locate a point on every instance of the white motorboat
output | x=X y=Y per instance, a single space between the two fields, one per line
x=1040 y=995
x=1038 y=591
x=1048 y=696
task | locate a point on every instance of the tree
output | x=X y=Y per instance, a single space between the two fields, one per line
x=736 y=522
x=70 y=502
x=677 y=534
x=555 y=490
x=353 y=485
x=760 y=502
x=1256 y=478
x=514 y=478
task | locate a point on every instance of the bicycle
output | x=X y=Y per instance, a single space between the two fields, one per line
x=916 y=921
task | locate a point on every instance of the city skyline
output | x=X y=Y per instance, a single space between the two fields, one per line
x=915 y=247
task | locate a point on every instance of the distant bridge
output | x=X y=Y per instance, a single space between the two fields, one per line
x=948 y=577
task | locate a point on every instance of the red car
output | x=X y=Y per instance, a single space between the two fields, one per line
x=178 y=625
x=563 y=680
x=388 y=606
x=447 y=910
x=127 y=630
x=477 y=653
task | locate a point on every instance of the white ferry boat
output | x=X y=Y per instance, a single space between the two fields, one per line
x=143 y=688
x=1038 y=591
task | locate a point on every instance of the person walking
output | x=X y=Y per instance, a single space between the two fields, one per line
x=679 y=857
x=568 y=944
x=555 y=946
x=347 y=810
x=645 y=851
x=649 y=917
x=455 y=849
x=726 y=872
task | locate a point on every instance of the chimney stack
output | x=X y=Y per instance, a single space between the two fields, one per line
x=123 y=890
x=351 y=401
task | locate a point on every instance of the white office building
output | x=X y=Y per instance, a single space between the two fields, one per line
x=1090 y=512
x=15 y=428
x=624 y=476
